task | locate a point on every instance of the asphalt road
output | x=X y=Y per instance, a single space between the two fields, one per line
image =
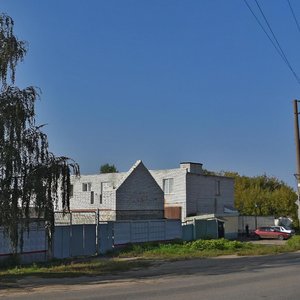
x=264 y=277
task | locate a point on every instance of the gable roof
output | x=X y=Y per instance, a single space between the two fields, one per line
x=116 y=178
x=131 y=170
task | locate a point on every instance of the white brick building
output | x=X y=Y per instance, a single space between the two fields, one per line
x=118 y=196
x=143 y=194
x=195 y=193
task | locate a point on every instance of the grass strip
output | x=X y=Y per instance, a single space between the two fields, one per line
x=145 y=253
x=73 y=268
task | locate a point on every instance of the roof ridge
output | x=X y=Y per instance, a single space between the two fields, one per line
x=135 y=165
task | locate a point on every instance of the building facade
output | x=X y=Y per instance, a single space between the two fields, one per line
x=133 y=195
x=194 y=192
x=142 y=194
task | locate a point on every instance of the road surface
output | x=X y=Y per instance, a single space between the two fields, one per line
x=261 y=277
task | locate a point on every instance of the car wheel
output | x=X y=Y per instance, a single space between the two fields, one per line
x=281 y=237
x=257 y=237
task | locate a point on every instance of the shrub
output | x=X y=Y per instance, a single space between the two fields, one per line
x=294 y=242
x=219 y=244
x=11 y=261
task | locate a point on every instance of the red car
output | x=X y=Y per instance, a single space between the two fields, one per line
x=271 y=233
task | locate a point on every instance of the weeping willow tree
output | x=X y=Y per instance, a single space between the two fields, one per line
x=31 y=177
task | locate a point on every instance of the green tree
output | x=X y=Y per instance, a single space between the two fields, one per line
x=30 y=175
x=263 y=195
x=107 y=168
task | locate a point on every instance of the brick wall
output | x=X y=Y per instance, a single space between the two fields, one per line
x=103 y=199
x=203 y=197
x=139 y=196
x=196 y=193
x=135 y=195
x=177 y=197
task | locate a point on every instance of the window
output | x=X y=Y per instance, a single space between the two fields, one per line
x=86 y=187
x=218 y=187
x=106 y=187
x=215 y=205
x=92 y=197
x=71 y=190
x=168 y=185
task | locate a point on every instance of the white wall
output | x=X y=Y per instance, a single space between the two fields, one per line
x=196 y=193
x=81 y=200
x=231 y=227
x=254 y=222
x=131 y=195
x=139 y=196
x=202 y=196
x=178 y=196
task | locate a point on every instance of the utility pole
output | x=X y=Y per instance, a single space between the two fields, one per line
x=297 y=141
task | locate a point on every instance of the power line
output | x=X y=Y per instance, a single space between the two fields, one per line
x=264 y=30
x=294 y=16
x=273 y=40
x=276 y=40
x=272 y=32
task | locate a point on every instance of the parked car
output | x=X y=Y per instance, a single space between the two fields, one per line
x=284 y=229
x=269 y=232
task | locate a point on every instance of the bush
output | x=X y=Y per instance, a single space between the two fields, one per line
x=180 y=249
x=219 y=244
x=294 y=242
x=11 y=261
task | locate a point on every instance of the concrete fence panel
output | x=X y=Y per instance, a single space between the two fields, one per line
x=254 y=222
x=89 y=247
x=83 y=240
x=139 y=232
x=157 y=230
x=61 y=242
x=35 y=245
x=146 y=231
x=173 y=229
x=188 y=232
x=75 y=240
x=5 y=247
x=122 y=233
x=105 y=237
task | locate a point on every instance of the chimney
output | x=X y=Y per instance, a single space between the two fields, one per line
x=194 y=168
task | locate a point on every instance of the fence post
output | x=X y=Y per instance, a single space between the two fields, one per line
x=70 y=236
x=194 y=229
x=97 y=231
x=49 y=239
x=49 y=253
x=83 y=238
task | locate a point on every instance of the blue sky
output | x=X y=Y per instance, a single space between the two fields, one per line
x=163 y=81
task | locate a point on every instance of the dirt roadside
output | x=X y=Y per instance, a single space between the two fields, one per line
x=156 y=269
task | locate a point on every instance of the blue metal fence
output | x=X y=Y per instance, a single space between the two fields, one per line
x=84 y=240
